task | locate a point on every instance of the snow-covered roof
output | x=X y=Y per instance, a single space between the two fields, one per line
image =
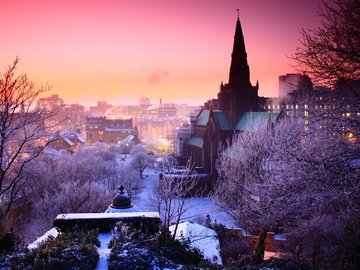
x=119 y=129
x=52 y=232
x=52 y=153
x=68 y=141
x=201 y=237
x=153 y=107
x=68 y=137
x=127 y=139
x=107 y=215
x=80 y=138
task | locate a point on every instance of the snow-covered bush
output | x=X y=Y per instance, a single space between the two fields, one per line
x=74 y=250
x=136 y=249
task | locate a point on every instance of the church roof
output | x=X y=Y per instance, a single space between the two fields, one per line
x=196 y=141
x=221 y=120
x=251 y=121
x=203 y=118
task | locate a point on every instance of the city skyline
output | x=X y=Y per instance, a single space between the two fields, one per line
x=118 y=51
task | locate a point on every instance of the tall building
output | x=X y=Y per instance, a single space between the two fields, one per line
x=291 y=84
x=236 y=108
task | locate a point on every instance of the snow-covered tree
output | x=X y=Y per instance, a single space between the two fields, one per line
x=139 y=159
x=76 y=182
x=288 y=174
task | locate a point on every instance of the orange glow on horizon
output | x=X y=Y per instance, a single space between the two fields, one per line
x=118 y=51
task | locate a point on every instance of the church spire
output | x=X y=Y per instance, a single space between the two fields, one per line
x=239 y=69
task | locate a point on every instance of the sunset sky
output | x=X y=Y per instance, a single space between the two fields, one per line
x=119 y=50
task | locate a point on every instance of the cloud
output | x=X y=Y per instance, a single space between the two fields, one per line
x=157 y=76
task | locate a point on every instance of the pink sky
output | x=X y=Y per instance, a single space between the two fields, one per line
x=119 y=50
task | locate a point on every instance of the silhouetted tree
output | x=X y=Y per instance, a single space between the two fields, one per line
x=331 y=52
x=23 y=132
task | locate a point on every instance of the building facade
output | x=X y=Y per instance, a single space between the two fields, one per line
x=101 y=129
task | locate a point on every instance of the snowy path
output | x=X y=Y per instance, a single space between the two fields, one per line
x=198 y=208
x=103 y=251
x=145 y=200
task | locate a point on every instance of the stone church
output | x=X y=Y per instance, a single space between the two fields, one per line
x=237 y=107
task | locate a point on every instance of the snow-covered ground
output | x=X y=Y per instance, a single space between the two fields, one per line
x=200 y=237
x=198 y=208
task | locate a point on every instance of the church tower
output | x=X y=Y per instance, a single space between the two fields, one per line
x=238 y=95
x=239 y=70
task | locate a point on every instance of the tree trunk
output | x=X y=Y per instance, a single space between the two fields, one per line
x=260 y=248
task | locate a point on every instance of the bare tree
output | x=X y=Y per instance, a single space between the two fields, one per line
x=172 y=194
x=127 y=177
x=23 y=132
x=331 y=52
x=125 y=148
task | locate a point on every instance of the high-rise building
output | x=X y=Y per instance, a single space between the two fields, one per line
x=291 y=84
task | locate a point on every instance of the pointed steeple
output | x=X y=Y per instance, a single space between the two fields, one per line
x=239 y=69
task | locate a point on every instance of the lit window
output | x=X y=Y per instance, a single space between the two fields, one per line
x=351 y=137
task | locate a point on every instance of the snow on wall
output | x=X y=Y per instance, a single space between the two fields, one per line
x=107 y=215
x=52 y=232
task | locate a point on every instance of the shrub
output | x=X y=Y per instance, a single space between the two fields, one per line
x=74 y=250
x=133 y=249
